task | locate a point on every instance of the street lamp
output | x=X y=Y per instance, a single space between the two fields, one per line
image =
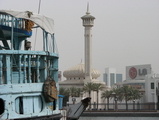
x=73 y=100
x=115 y=99
x=133 y=104
x=81 y=94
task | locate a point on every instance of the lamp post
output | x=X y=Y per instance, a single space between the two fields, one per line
x=73 y=100
x=116 y=103
x=115 y=99
x=81 y=94
x=133 y=104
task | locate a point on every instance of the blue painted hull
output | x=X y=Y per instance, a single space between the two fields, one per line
x=23 y=72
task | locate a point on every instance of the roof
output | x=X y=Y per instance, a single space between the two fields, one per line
x=79 y=71
x=88 y=16
x=44 y=22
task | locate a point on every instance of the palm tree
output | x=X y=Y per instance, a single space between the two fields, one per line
x=127 y=94
x=97 y=87
x=79 y=91
x=135 y=95
x=65 y=92
x=88 y=87
x=62 y=91
x=106 y=95
x=72 y=91
x=117 y=95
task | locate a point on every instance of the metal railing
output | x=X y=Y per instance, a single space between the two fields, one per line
x=7 y=20
x=138 y=107
x=26 y=66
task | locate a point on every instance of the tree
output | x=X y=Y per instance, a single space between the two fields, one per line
x=129 y=93
x=106 y=95
x=65 y=93
x=79 y=91
x=88 y=87
x=126 y=94
x=116 y=94
x=136 y=94
x=72 y=91
x=97 y=87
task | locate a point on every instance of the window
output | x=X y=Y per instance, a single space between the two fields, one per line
x=1 y=106
x=152 y=85
x=28 y=104
x=112 y=79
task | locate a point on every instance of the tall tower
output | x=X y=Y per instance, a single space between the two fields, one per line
x=88 y=22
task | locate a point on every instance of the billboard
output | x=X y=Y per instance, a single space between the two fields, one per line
x=137 y=72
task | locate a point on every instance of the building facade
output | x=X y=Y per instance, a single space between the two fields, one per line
x=142 y=78
x=111 y=77
x=135 y=75
x=152 y=89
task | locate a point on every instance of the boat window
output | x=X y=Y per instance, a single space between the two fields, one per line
x=1 y=106
x=28 y=104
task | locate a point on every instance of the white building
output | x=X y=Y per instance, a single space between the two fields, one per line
x=152 y=88
x=111 y=77
x=142 y=78
x=135 y=75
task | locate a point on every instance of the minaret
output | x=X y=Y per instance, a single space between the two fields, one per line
x=88 y=22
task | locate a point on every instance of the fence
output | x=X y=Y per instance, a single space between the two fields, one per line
x=124 y=107
x=121 y=107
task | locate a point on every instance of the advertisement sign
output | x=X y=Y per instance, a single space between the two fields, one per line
x=137 y=72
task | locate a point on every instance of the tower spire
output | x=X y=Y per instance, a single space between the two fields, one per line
x=88 y=8
x=88 y=23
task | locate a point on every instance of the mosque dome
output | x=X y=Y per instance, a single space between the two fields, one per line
x=79 y=71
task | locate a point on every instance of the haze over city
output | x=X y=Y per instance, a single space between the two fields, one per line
x=125 y=32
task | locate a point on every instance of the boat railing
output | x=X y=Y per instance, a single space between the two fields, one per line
x=19 y=66
x=9 y=21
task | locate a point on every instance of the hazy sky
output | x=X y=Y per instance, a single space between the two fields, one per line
x=125 y=32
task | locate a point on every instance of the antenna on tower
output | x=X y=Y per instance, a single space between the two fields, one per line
x=36 y=29
x=39 y=6
x=88 y=8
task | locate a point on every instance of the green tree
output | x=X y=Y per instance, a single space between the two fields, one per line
x=129 y=93
x=88 y=87
x=106 y=95
x=135 y=94
x=65 y=93
x=79 y=91
x=98 y=87
x=73 y=91
x=126 y=94
x=116 y=94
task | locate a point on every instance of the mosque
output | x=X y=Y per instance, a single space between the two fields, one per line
x=80 y=74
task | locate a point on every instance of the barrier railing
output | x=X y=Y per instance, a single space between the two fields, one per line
x=124 y=107
x=121 y=107
x=26 y=67
x=7 y=20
